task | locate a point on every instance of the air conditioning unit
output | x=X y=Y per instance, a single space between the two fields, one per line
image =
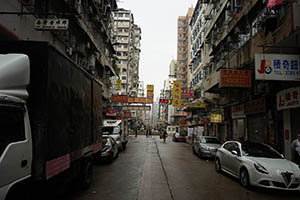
x=207 y=17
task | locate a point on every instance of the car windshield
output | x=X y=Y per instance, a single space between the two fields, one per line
x=179 y=134
x=259 y=150
x=210 y=140
x=110 y=130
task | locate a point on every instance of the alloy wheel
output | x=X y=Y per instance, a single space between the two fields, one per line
x=244 y=176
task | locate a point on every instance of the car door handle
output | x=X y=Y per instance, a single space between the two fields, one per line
x=24 y=163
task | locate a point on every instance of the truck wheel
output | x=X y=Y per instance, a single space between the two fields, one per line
x=87 y=174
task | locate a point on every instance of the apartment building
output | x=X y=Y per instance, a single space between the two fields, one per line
x=245 y=62
x=126 y=39
x=183 y=47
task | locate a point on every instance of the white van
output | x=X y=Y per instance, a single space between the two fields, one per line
x=118 y=129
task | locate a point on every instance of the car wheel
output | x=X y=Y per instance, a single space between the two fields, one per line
x=244 y=178
x=199 y=153
x=194 y=152
x=218 y=165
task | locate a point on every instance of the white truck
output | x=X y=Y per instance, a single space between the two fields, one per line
x=50 y=121
x=118 y=129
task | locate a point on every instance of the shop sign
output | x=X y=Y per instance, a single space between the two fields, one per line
x=187 y=94
x=255 y=106
x=119 y=98
x=111 y=113
x=176 y=101
x=288 y=98
x=127 y=114
x=215 y=118
x=277 y=67
x=238 y=112
x=118 y=84
x=142 y=100
x=235 y=78
x=150 y=89
x=137 y=107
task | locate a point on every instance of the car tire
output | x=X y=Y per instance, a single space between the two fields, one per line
x=218 y=165
x=244 y=178
x=194 y=152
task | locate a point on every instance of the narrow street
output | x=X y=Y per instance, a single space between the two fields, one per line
x=149 y=169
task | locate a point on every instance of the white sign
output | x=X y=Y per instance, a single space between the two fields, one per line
x=52 y=24
x=289 y=98
x=282 y=67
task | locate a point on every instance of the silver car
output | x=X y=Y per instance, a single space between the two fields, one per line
x=206 y=146
x=258 y=165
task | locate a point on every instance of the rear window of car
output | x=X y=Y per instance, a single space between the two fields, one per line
x=210 y=140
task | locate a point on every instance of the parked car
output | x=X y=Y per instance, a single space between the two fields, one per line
x=179 y=137
x=258 y=165
x=110 y=149
x=113 y=132
x=206 y=146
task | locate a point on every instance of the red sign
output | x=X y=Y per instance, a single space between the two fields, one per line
x=187 y=94
x=127 y=114
x=119 y=98
x=235 y=78
x=111 y=113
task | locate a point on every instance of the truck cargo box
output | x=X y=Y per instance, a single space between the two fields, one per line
x=65 y=108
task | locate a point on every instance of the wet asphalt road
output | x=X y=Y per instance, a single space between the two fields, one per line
x=150 y=170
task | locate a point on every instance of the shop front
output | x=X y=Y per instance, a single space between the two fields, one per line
x=288 y=102
x=238 y=121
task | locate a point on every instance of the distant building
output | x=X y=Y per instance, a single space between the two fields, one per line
x=126 y=39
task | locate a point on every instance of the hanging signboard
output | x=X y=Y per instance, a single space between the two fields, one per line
x=187 y=94
x=150 y=89
x=119 y=98
x=235 y=78
x=118 y=85
x=215 y=118
x=282 y=67
x=176 y=101
x=289 y=98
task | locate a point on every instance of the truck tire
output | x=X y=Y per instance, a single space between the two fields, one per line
x=87 y=174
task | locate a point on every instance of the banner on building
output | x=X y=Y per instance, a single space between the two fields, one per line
x=187 y=94
x=119 y=98
x=136 y=107
x=235 y=78
x=282 y=67
x=150 y=89
x=289 y=98
x=118 y=85
x=215 y=118
x=176 y=101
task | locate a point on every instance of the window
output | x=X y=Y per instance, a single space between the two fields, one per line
x=11 y=126
x=123 y=77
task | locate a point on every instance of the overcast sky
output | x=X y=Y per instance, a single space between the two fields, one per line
x=158 y=22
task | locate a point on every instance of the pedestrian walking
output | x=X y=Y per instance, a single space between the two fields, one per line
x=136 y=132
x=296 y=149
x=164 y=136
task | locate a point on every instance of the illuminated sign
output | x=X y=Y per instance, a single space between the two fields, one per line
x=215 y=118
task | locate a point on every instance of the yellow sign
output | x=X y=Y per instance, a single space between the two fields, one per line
x=177 y=94
x=118 y=85
x=150 y=89
x=195 y=105
x=215 y=118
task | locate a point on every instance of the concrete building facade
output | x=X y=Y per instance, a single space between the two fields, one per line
x=232 y=45
x=126 y=39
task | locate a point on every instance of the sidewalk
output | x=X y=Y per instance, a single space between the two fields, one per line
x=154 y=185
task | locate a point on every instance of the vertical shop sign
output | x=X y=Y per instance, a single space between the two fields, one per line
x=177 y=94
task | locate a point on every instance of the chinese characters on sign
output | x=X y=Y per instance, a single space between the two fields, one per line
x=187 y=94
x=277 y=67
x=288 y=98
x=215 y=118
x=119 y=98
x=150 y=89
x=235 y=78
x=177 y=94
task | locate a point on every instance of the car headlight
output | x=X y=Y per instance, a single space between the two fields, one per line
x=260 y=168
